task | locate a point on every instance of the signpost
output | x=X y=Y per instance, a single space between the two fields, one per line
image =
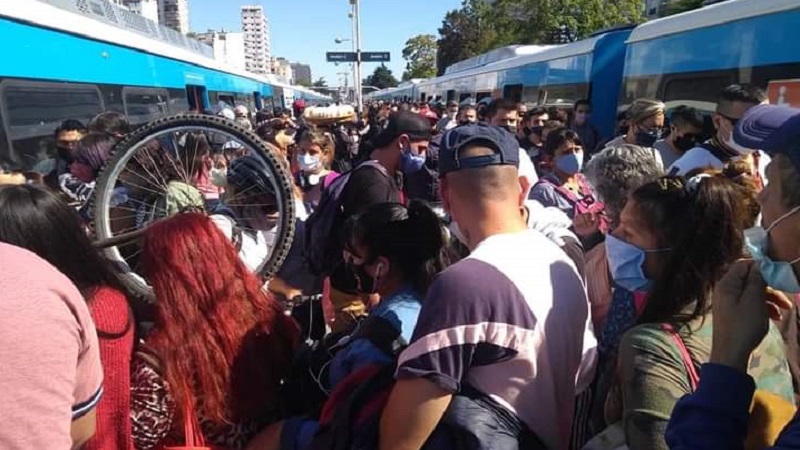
x=374 y=56
x=340 y=57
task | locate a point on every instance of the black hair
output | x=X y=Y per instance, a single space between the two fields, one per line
x=558 y=137
x=111 y=123
x=701 y=223
x=558 y=114
x=687 y=115
x=583 y=102
x=412 y=238
x=34 y=218
x=71 y=125
x=537 y=111
x=499 y=104
x=744 y=93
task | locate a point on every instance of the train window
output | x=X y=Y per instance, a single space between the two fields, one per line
x=513 y=92
x=178 y=102
x=144 y=105
x=698 y=91
x=530 y=94
x=32 y=111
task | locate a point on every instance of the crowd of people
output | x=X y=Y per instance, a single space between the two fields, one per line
x=487 y=276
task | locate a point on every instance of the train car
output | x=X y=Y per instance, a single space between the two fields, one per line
x=688 y=58
x=83 y=57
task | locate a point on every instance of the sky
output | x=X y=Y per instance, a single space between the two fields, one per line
x=303 y=30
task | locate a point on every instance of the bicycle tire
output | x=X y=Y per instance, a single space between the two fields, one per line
x=125 y=150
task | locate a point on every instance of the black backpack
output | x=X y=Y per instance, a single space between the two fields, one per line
x=323 y=248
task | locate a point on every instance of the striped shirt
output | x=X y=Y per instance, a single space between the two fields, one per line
x=511 y=320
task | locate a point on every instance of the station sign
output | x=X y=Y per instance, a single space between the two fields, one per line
x=347 y=57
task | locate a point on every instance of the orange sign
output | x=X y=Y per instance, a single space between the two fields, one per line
x=784 y=92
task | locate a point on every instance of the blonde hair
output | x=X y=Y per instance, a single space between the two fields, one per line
x=642 y=109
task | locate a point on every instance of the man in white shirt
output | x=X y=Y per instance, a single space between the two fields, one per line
x=734 y=101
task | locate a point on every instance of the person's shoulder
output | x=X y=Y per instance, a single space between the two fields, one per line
x=31 y=273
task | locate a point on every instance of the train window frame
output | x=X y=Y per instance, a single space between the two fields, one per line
x=164 y=105
x=662 y=88
x=55 y=87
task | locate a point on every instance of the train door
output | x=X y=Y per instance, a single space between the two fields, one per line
x=513 y=92
x=451 y=95
x=257 y=99
x=197 y=96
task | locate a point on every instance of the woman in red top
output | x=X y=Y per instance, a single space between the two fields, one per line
x=34 y=218
x=220 y=347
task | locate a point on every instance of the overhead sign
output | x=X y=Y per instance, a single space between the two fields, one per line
x=374 y=56
x=340 y=56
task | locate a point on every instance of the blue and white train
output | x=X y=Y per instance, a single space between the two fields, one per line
x=72 y=59
x=682 y=59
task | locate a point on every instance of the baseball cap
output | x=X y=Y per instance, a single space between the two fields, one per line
x=772 y=129
x=504 y=144
x=404 y=122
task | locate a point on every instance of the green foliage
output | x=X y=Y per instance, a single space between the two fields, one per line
x=679 y=6
x=381 y=78
x=320 y=82
x=482 y=25
x=420 y=55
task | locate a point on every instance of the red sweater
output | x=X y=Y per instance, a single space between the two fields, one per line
x=115 y=330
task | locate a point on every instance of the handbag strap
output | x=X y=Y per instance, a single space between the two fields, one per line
x=694 y=377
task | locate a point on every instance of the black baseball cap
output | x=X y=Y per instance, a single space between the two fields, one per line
x=415 y=126
x=504 y=144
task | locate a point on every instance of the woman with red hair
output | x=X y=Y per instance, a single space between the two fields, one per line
x=220 y=346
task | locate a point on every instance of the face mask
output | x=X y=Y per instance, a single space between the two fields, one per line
x=219 y=177
x=684 y=143
x=648 y=138
x=570 y=164
x=731 y=144
x=65 y=154
x=626 y=262
x=308 y=163
x=411 y=163
x=580 y=118
x=511 y=129
x=366 y=283
x=778 y=275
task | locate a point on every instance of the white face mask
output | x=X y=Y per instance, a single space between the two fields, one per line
x=309 y=163
x=731 y=144
x=219 y=177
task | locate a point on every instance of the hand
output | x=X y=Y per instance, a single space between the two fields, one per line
x=741 y=315
x=586 y=224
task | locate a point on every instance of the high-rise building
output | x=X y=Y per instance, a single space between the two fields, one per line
x=145 y=8
x=174 y=14
x=256 y=39
x=282 y=69
x=301 y=73
x=228 y=47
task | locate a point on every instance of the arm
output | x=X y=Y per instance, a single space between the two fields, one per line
x=83 y=429
x=652 y=379
x=714 y=417
x=414 y=409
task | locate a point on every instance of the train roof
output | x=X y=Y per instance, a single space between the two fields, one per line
x=711 y=15
x=492 y=56
x=46 y=15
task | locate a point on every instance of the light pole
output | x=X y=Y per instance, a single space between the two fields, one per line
x=352 y=66
x=357 y=44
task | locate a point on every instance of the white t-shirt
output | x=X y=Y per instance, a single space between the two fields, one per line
x=701 y=158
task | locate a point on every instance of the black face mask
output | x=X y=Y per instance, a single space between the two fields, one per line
x=685 y=143
x=65 y=154
x=366 y=283
x=647 y=138
x=509 y=128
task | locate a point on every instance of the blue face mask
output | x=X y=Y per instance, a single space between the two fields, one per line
x=626 y=262
x=570 y=164
x=409 y=162
x=778 y=275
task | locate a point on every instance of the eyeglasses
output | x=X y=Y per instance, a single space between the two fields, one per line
x=732 y=120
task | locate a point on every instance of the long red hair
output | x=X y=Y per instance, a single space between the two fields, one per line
x=220 y=337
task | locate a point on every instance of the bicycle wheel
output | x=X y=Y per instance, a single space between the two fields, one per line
x=159 y=168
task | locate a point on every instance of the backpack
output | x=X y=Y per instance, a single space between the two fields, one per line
x=323 y=247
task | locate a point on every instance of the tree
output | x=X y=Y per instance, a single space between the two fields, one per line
x=555 y=22
x=304 y=83
x=459 y=38
x=679 y=6
x=420 y=55
x=320 y=82
x=381 y=78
